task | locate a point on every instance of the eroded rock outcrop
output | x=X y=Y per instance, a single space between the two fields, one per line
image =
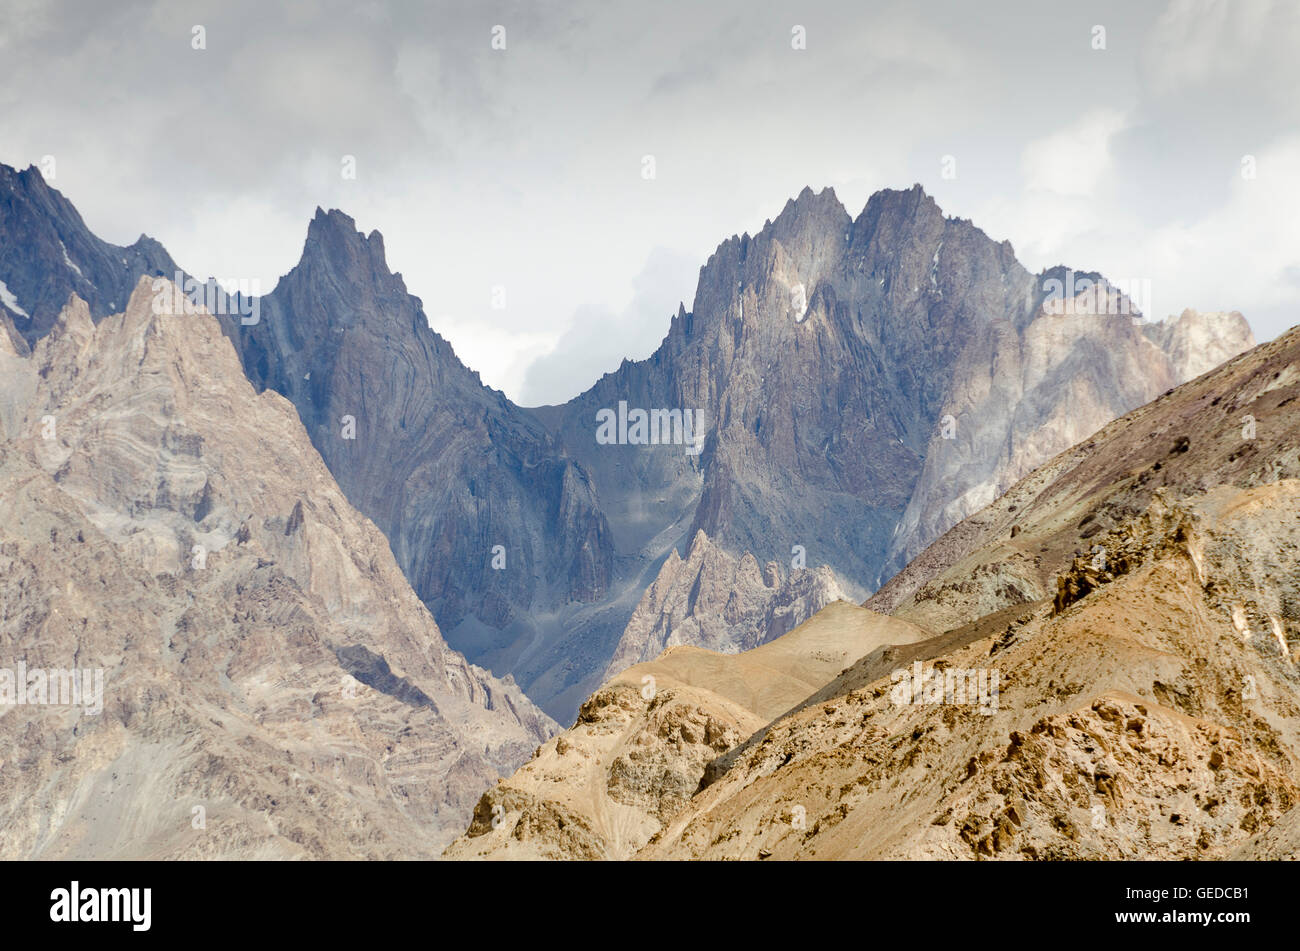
x=715 y=600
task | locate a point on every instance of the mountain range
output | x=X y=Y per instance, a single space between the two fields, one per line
x=856 y=386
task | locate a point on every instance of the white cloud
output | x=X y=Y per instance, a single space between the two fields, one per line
x=1200 y=41
x=1074 y=160
x=1244 y=255
x=500 y=355
x=599 y=339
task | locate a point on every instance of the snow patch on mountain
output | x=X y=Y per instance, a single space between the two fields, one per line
x=7 y=298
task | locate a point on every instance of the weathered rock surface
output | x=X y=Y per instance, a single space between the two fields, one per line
x=272 y=688
x=643 y=743
x=868 y=383
x=1197 y=343
x=456 y=476
x=713 y=599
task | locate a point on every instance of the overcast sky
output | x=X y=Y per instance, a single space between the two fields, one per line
x=522 y=167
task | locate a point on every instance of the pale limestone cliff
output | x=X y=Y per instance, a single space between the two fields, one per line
x=271 y=686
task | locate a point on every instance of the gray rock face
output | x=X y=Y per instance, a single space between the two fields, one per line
x=451 y=471
x=1020 y=397
x=870 y=382
x=262 y=656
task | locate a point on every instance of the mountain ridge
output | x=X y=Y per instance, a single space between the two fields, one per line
x=825 y=354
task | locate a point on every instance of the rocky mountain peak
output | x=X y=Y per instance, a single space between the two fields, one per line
x=336 y=250
x=699 y=543
x=140 y=456
x=902 y=203
x=867 y=384
x=487 y=514
x=31 y=183
x=838 y=371
x=809 y=209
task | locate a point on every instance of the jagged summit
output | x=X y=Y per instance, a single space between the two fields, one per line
x=448 y=468
x=810 y=204
x=845 y=366
x=335 y=245
x=75 y=317
x=338 y=223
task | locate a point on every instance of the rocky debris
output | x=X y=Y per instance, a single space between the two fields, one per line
x=542 y=826
x=1081 y=785
x=1160 y=531
x=603 y=788
x=661 y=772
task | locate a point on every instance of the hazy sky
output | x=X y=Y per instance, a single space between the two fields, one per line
x=522 y=168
